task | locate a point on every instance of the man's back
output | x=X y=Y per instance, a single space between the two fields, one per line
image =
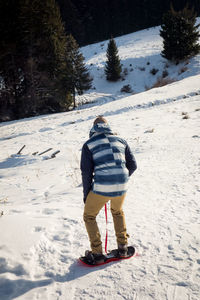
x=108 y=154
x=106 y=162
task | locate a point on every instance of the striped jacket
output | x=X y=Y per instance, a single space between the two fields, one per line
x=106 y=163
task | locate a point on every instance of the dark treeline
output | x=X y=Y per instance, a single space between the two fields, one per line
x=91 y=21
x=41 y=68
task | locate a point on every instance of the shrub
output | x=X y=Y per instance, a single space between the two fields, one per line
x=125 y=72
x=126 y=89
x=182 y=70
x=154 y=71
x=165 y=73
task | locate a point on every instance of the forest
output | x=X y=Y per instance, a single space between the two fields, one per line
x=41 y=67
x=93 y=21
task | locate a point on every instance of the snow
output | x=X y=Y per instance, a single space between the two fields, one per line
x=41 y=230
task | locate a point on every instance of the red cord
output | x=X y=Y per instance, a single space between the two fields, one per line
x=106 y=240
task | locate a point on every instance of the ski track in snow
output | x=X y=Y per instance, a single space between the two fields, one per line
x=42 y=232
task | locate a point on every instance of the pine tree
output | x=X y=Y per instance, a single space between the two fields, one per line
x=72 y=19
x=113 y=67
x=79 y=79
x=33 y=57
x=180 y=34
x=44 y=48
x=11 y=74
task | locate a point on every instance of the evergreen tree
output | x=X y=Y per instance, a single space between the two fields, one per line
x=72 y=20
x=33 y=57
x=180 y=34
x=79 y=79
x=11 y=74
x=113 y=67
x=43 y=45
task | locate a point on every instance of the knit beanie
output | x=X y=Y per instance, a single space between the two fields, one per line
x=100 y=119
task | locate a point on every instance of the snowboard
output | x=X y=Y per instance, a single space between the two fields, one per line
x=113 y=255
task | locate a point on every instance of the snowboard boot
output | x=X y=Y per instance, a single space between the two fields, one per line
x=95 y=258
x=123 y=250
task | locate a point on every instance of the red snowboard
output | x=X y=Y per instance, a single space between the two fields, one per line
x=111 y=256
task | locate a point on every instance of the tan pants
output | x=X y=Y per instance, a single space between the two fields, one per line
x=94 y=203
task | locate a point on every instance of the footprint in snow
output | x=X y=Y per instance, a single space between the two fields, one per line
x=178 y=258
x=170 y=247
x=15 y=211
x=38 y=229
x=45 y=129
x=48 y=211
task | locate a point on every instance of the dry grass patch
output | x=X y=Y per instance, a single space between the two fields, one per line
x=162 y=82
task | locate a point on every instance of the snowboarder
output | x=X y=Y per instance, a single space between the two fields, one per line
x=106 y=164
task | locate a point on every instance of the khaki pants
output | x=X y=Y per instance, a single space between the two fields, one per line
x=94 y=203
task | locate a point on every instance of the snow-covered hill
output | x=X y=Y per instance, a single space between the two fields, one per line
x=41 y=230
x=142 y=66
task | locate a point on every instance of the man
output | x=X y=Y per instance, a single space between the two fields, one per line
x=106 y=164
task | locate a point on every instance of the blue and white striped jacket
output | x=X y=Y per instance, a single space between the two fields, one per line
x=106 y=163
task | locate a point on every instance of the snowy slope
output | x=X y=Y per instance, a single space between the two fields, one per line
x=139 y=54
x=41 y=230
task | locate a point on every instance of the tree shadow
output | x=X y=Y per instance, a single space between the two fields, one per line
x=13 y=136
x=15 y=161
x=11 y=289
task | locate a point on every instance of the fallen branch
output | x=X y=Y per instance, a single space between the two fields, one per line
x=45 y=151
x=34 y=153
x=52 y=155
x=19 y=152
x=55 y=153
